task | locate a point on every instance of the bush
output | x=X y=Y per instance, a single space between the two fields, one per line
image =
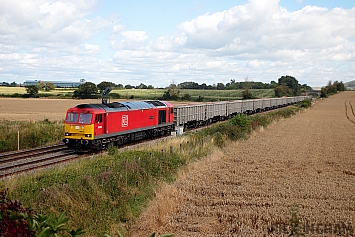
x=200 y=98
x=242 y=121
x=115 y=96
x=305 y=103
x=219 y=140
x=286 y=112
x=186 y=97
x=260 y=120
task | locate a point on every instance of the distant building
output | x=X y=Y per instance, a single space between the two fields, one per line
x=57 y=84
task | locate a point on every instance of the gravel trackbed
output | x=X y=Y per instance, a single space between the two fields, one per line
x=303 y=165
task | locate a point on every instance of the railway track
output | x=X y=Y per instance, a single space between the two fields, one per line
x=349 y=110
x=17 y=162
x=25 y=160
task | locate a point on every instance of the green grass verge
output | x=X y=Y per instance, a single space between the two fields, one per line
x=32 y=134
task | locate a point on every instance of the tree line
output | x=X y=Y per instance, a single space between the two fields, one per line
x=285 y=86
x=332 y=88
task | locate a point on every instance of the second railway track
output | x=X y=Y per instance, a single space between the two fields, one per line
x=26 y=160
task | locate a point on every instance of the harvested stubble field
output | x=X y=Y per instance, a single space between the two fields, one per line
x=30 y=109
x=18 y=109
x=249 y=188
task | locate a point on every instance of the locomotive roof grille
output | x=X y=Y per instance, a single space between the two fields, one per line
x=115 y=105
x=156 y=103
x=82 y=106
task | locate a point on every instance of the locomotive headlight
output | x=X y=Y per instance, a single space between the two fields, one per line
x=67 y=134
x=87 y=135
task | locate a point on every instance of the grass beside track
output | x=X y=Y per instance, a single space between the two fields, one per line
x=31 y=134
x=107 y=193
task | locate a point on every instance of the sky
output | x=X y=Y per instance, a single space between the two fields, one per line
x=159 y=42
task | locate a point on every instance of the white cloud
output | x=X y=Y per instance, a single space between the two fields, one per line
x=33 y=21
x=135 y=36
x=59 y=39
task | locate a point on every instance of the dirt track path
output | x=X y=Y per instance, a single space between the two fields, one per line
x=249 y=188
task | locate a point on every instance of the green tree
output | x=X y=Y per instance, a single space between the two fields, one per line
x=45 y=86
x=86 y=91
x=290 y=82
x=247 y=89
x=186 y=97
x=339 y=85
x=32 y=90
x=232 y=85
x=128 y=86
x=104 y=84
x=142 y=86
x=273 y=84
x=40 y=85
x=188 y=85
x=49 y=86
x=283 y=90
x=172 y=93
x=220 y=86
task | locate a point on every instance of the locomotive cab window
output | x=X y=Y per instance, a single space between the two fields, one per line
x=85 y=118
x=72 y=118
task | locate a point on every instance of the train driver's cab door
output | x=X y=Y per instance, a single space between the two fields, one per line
x=99 y=125
x=162 y=117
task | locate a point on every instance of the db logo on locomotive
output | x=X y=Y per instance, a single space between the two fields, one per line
x=124 y=120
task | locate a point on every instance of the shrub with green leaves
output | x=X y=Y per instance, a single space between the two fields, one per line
x=242 y=121
x=305 y=103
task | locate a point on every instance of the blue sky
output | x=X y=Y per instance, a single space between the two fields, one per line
x=161 y=42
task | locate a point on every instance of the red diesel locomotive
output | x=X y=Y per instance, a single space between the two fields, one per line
x=95 y=126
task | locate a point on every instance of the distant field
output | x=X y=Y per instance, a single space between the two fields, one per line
x=22 y=90
x=17 y=109
x=153 y=94
x=207 y=94
x=12 y=90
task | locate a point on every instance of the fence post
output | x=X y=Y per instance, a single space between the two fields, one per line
x=18 y=140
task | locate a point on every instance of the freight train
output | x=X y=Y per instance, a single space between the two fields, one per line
x=95 y=126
